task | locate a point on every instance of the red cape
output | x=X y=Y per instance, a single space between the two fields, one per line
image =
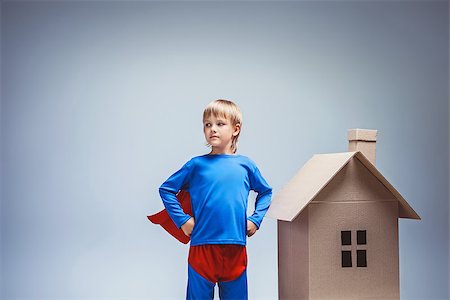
x=162 y=218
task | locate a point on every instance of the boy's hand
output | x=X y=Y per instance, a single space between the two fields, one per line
x=188 y=226
x=251 y=228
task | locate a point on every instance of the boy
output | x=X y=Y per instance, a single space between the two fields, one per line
x=218 y=183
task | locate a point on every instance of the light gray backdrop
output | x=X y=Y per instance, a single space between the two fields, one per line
x=102 y=101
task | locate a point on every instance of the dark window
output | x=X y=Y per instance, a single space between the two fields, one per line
x=346 y=237
x=361 y=237
x=346 y=259
x=361 y=258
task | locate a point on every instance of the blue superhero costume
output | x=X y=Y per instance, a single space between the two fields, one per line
x=218 y=186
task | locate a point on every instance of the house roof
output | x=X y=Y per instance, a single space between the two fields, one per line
x=314 y=176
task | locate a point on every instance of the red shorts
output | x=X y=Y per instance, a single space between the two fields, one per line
x=218 y=262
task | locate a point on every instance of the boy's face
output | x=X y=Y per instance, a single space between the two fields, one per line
x=219 y=133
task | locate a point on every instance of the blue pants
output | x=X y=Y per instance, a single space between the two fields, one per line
x=199 y=288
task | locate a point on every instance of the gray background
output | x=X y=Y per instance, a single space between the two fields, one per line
x=102 y=101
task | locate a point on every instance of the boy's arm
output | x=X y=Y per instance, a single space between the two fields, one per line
x=188 y=226
x=168 y=191
x=262 y=203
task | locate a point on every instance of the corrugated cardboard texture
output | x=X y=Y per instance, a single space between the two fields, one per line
x=373 y=213
x=314 y=176
x=293 y=258
x=354 y=183
x=363 y=140
x=333 y=194
x=362 y=134
x=354 y=200
x=305 y=185
x=328 y=279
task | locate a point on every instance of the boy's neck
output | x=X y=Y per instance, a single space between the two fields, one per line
x=218 y=151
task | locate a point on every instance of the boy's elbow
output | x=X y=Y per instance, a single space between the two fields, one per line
x=163 y=190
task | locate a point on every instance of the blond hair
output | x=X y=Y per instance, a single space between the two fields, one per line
x=226 y=109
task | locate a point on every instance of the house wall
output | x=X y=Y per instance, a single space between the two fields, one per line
x=353 y=200
x=328 y=279
x=293 y=258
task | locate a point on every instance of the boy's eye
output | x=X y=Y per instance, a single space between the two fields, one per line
x=218 y=124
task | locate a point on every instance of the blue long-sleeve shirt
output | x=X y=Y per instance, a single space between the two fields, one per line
x=219 y=185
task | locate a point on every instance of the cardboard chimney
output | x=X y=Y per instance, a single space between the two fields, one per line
x=338 y=227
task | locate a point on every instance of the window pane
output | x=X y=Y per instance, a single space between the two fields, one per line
x=361 y=258
x=346 y=237
x=361 y=237
x=346 y=259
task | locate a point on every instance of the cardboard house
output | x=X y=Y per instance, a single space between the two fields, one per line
x=338 y=227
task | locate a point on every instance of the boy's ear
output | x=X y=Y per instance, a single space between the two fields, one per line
x=236 y=132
